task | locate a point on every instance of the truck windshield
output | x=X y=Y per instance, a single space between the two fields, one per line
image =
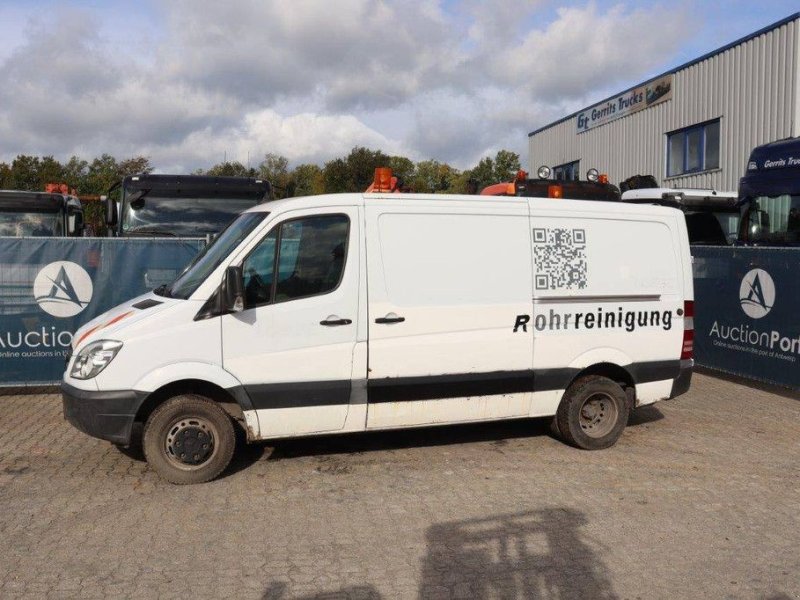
x=213 y=254
x=180 y=216
x=773 y=220
x=36 y=224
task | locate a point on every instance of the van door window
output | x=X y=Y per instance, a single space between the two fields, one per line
x=258 y=271
x=311 y=257
x=310 y=260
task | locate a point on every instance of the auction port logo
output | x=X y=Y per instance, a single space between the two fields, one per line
x=63 y=289
x=757 y=293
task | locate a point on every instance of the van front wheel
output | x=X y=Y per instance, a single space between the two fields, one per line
x=593 y=413
x=189 y=439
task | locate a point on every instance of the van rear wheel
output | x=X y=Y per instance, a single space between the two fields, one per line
x=593 y=413
x=189 y=439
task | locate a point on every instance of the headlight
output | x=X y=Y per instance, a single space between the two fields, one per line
x=95 y=357
x=544 y=172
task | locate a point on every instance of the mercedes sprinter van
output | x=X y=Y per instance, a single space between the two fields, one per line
x=353 y=312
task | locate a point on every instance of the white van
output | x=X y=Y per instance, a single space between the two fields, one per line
x=354 y=312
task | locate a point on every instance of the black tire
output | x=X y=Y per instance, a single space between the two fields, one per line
x=189 y=439
x=592 y=413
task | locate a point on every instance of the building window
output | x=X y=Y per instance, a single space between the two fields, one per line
x=693 y=149
x=567 y=172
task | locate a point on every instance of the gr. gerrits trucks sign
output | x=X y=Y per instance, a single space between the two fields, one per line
x=647 y=95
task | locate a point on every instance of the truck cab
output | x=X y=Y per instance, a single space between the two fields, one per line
x=712 y=216
x=180 y=205
x=40 y=214
x=769 y=195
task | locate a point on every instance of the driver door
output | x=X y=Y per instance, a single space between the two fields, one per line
x=292 y=346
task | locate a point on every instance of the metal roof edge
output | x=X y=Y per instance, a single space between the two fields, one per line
x=725 y=48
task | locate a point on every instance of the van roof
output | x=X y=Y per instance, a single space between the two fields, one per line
x=355 y=199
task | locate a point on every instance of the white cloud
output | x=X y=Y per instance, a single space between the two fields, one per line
x=310 y=80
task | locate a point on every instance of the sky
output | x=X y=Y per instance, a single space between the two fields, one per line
x=190 y=83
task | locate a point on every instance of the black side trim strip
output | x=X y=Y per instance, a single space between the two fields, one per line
x=296 y=395
x=655 y=371
x=401 y=389
x=430 y=387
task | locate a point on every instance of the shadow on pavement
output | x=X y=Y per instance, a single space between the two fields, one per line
x=409 y=438
x=537 y=554
x=645 y=414
x=533 y=554
x=277 y=591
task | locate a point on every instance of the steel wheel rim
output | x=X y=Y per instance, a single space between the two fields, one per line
x=191 y=443
x=598 y=415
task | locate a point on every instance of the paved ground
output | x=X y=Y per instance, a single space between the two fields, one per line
x=699 y=499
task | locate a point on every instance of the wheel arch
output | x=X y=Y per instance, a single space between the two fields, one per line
x=233 y=402
x=614 y=372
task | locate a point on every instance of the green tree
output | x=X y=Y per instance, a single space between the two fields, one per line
x=25 y=173
x=51 y=171
x=5 y=176
x=275 y=169
x=75 y=171
x=336 y=176
x=432 y=176
x=506 y=165
x=308 y=180
x=403 y=168
x=231 y=169
x=355 y=172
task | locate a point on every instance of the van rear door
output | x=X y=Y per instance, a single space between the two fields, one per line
x=446 y=281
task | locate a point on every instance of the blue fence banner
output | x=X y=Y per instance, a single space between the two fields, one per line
x=50 y=287
x=747 y=312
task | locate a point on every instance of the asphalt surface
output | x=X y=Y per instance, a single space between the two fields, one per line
x=699 y=499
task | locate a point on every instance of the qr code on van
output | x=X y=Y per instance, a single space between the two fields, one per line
x=559 y=256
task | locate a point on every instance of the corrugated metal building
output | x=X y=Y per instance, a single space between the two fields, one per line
x=693 y=126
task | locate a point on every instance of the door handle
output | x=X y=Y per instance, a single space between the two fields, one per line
x=333 y=321
x=390 y=318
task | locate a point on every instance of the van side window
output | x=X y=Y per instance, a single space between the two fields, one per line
x=309 y=254
x=258 y=269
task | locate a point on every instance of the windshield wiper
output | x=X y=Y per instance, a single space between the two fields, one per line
x=150 y=231
x=163 y=290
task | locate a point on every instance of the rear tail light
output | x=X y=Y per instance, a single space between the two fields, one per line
x=687 y=349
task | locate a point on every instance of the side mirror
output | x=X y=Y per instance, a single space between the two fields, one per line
x=233 y=290
x=111 y=210
x=75 y=223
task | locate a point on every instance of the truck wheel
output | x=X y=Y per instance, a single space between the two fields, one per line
x=189 y=439
x=593 y=413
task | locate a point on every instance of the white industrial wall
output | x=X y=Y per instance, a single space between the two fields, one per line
x=754 y=87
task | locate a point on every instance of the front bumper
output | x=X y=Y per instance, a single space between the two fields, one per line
x=105 y=415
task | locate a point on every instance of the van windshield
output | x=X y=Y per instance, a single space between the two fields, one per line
x=774 y=220
x=213 y=254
